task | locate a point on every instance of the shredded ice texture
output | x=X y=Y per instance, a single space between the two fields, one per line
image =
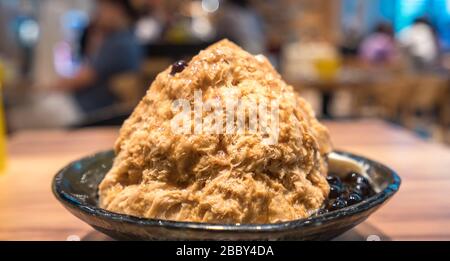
x=218 y=178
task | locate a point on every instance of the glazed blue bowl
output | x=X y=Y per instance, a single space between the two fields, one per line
x=75 y=186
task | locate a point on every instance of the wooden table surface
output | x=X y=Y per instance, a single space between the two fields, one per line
x=419 y=211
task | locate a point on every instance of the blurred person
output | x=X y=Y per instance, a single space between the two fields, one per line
x=351 y=41
x=379 y=46
x=240 y=23
x=90 y=40
x=421 y=41
x=109 y=49
x=118 y=53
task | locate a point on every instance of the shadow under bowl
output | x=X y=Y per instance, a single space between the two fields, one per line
x=75 y=186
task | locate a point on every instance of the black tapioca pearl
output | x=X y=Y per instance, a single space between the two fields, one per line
x=335 y=191
x=178 y=66
x=321 y=211
x=354 y=198
x=352 y=177
x=337 y=204
x=356 y=178
x=362 y=189
x=334 y=180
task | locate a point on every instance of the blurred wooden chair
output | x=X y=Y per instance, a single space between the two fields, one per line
x=426 y=99
x=390 y=98
x=152 y=67
x=128 y=87
x=131 y=87
x=361 y=99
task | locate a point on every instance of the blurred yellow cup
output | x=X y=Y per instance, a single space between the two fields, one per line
x=327 y=68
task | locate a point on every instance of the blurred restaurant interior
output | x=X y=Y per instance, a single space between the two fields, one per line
x=386 y=59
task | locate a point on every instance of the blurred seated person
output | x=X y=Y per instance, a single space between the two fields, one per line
x=89 y=41
x=112 y=50
x=379 y=46
x=352 y=39
x=240 y=23
x=421 y=42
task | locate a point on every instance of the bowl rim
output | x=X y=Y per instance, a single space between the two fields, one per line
x=72 y=202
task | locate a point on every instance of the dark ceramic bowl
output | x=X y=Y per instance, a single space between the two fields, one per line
x=75 y=187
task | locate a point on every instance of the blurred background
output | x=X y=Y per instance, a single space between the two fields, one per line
x=82 y=63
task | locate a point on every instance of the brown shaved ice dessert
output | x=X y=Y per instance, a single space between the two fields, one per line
x=218 y=178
